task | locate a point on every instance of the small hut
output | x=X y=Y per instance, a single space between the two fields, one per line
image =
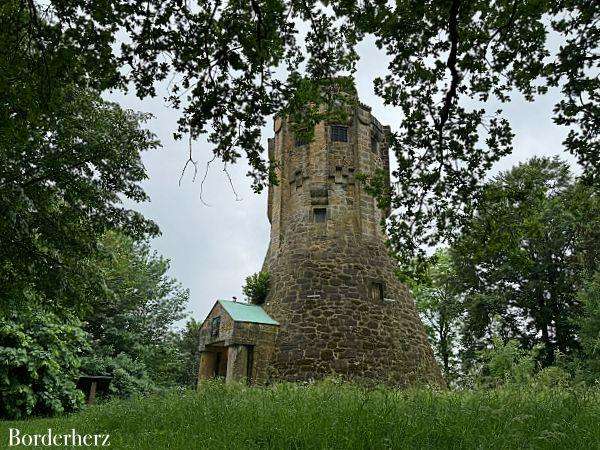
x=237 y=341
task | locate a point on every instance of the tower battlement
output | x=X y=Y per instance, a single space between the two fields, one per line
x=317 y=189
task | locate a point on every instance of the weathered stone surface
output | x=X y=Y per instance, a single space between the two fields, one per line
x=333 y=288
x=207 y=365
x=237 y=362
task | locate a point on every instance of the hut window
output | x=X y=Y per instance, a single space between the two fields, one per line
x=215 y=324
x=339 y=133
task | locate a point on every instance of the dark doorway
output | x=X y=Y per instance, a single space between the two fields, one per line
x=221 y=363
x=250 y=363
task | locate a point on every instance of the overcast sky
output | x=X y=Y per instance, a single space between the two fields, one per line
x=213 y=248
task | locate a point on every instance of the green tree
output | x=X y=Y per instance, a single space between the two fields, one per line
x=68 y=159
x=256 y=287
x=523 y=256
x=131 y=326
x=440 y=306
x=188 y=344
x=61 y=185
x=589 y=295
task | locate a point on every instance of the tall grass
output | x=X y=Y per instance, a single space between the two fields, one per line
x=333 y=415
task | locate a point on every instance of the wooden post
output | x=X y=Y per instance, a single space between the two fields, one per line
x=92 y=395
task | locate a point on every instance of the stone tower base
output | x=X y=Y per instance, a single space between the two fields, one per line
x=353 y=319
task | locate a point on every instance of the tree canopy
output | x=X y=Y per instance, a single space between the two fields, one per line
x=67 y=160
x=232 y=64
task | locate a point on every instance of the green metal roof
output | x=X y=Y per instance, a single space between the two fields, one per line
x=244 y=312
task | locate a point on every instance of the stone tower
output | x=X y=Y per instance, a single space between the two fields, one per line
x=332 y=283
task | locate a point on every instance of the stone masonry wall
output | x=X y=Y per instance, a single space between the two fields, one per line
x=225 y=327
x=333 y=287
x=262 y=337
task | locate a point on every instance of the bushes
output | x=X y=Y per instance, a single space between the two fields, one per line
x=552 y=376
x=505 y=363
x=124 y=332
x=130 y=377
x=39 y=363
x=590 y=327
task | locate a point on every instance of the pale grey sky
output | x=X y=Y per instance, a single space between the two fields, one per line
x=212 y=249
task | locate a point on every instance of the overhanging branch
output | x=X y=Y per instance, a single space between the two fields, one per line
x=451 y=64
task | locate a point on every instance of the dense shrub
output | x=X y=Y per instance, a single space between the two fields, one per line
x=505 y=363
x=552 y=376
x=39 y=363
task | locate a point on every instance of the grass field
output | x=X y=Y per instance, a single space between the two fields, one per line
x=329 y=415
